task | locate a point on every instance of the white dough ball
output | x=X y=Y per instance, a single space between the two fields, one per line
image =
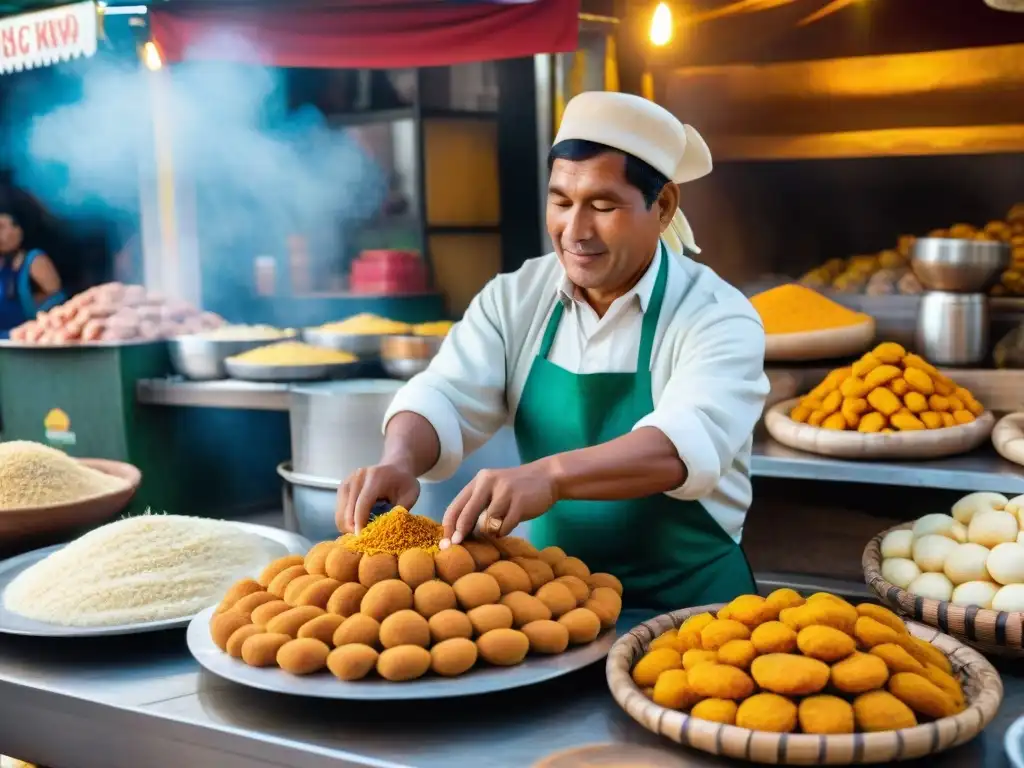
x=1006 y=563
x=897 y=544
x=933 y=585
x=967 y=563
x=1015 y=506
x=1020 y=537
x=991 y=528
x=930 y=552
x=983 y=501
x=938 y=524
x=979 y=593
x=900 y=571
x=1009 y=598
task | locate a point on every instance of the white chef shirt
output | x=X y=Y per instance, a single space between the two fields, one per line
x=707 y=368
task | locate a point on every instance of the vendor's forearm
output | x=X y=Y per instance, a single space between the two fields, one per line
x=642 y=463
x=411 y=443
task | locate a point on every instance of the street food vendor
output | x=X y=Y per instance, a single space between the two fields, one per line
x=633 y=377
x=29 y=281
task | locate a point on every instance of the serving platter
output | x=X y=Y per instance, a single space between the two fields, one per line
x=279 y=543
x=820 y=345
x=323 y=685
x=1008 y=437
x=923 y=444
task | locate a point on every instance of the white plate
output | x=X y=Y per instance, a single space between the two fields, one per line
x=482 y=679
x=282 y=543
x=1013 y=742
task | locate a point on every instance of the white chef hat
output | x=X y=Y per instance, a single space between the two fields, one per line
x=641 y=128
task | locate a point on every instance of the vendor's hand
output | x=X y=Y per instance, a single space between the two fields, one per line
x=499 y=499
x=362 y=489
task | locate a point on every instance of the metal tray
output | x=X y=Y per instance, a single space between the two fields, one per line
x=364 y=345
x=12 y=623
x=483 y=679
x=286 y=373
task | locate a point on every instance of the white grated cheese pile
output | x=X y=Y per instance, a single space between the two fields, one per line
x=140 y=569
x=34 y=475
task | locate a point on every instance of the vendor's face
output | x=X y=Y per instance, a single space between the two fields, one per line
x=601 y=228
x=10 y=235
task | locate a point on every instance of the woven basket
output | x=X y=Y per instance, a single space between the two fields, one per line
x=843 y=444
x=1008 y=437
x=996 y=633
x=820 y=345
x=981 y=683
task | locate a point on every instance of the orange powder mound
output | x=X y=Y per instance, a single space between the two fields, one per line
x=793 y=308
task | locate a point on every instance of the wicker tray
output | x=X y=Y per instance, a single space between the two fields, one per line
x=820 y=345
x=1008 y=437
x=997 y=633
x=982 y=688
x=924 y=444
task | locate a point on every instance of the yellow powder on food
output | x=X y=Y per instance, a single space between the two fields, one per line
x=793 y=308
x=34 y=475
x=294 y=353
x=396 y=531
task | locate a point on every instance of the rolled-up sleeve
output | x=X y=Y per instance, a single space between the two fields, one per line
x=462 y=392
x=714 y=396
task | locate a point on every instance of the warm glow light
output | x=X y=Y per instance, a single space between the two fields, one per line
x=151 y=57
x=661 y=25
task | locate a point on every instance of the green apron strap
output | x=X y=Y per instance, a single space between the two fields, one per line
x=551 y=330
x=650 y=322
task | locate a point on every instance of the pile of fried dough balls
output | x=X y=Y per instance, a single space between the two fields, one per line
x=786 y=664
x=417 y=612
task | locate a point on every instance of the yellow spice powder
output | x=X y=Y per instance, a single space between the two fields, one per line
x=396 y=531
x=793 y=308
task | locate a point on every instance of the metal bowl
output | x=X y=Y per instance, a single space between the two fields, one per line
x=405 y=356
x=202 y=359
x=362 y=345
x=288 y=373
x=958 y=266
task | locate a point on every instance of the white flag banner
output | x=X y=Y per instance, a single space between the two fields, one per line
x=47 y=37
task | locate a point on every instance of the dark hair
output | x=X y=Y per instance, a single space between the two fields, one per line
x=639 y=174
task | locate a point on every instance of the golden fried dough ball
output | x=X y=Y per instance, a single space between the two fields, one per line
x=261 y=650
x=870 y=632
x=510 y=577
x=503 y=647
x=289 y=622
x=322 y=628
x=454 y=563
x=652 y=664
x=295 y=587
x=773 y=637
x=525 y=608
x=672 y=691
x=720 y=631
x=264 y=613
x=250 y=603
x=405 y=662
x=546 y=636
x=552 y=555
x=476 y=589
x=697 y=656
x=883 y=616
x=789 y=675
x=374 y=569
x=359 y=628
x=352 y=662
x=572 y=566
x=577 y=586
x=783 y=598
x=605 y=580
x=513 y=546
x=281 y=581
x=749 y=610
x=881 y=711
x=606 y=603
x=237 y=591
x=767 y=712
x=540 y=573
x=825 y=643
x=316 y=558
x=433 y=597
x=452 y=657
x=583 y=625
x=342 y=564
x=484 y=553
x=922 y=695
x=719 y=681
x=303 y=656
x=737 y=653
x=449 y=623
x=415 y=566
x=318 y=593
x=404 y=628
x=238 y=638
x=715 y=711
x=276 y=567
x=925 y=653
x=386 y=597
x=860 y=673
x=666 y=639
x=896 y=658
x=487 y=617
x=825 y=715
x=557 y=597
x=697 y=622
x=933 y=674
x=346 y=599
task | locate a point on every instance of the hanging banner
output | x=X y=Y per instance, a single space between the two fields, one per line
x=47 y=37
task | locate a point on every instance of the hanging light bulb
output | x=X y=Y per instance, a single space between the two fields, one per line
x=661 y=25
x=151 y=57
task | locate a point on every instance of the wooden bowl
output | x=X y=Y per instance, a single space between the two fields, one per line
x=1008 y=437
x=997 y=633
x=924 y=444
x=820 y=345
x=983 y=690
x=24 y=523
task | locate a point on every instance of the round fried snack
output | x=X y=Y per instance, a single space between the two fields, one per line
x=510 y=577
x=825 y=643
x=583 y=626
x=303 y=656
x=540 y=573
x=696 y=656
x=358 y=628
x=316 y=558
x=514 y=546
x=433 y=597
x=719 y=681
x=346 y=599
x=352 y=662
x=605 y=580
x=783 y=598
x=404 y=628
x=319 y=592
x=386 y=597
x=250 y=603
x=697 y=622
x=546 y=636
x=737 y=653
x=525 y=608
x=720 y=631
x=825 y=715
x=926 y=653
x=552 y=555
x=476 y=589
x=223 y=625
x=281 y=581
x=237 y=591
x=452 y=657
x=773 y=637
x=488 y=617
x=342 y=564
x=750 y=610
x=322 y=628
x=373 y=569
x=881 y=711
x=453 y=563
x=652 y=664
x=947 y=683
x=261 y=650
x=871 y=632
x=577 y=586
x=716 y=711
x=922 y=695
x=238 y=638
x=296 y=585
x=484 y=553
x=789 y=675
x=448 y=624
x=606 y=603
x=415 y=566
x=557 y=597
x=405 y=662
x=572 y=566
x=767 y=712
x=672 y=691
x=262 y=615
x=860 y=673
x=276 y=567
x=896 y=658
x=503 y=647
x=289 y=622
x=883 y=616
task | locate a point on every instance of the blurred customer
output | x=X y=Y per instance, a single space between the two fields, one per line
x=29 y=281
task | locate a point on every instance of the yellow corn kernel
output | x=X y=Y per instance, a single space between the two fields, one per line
x=871 y=422
x=800 y=413
x=938 y=403
x=919 y=363
x=919 y=381
x=883 y=374
x=889 y=352
x=835 y=421
x=963 y=417
x=947 y=419
x=906 y=422
x=854 y=387
x=931 y=419
x=866 y=365
x=816 y=418
x=831 y=403
x=899 y=386
x=852 y=409
x=916 y=402
x=884 y=401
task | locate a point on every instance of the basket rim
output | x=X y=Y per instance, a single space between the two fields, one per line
x=826 y=333
x=777 y=412
x=872 y=567
x=632 y=645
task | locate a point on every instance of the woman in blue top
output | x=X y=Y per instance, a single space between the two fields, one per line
x=29 y=282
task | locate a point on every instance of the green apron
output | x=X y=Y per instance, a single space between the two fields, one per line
x=668 y=553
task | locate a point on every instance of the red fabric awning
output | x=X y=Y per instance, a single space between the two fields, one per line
x=356 y=36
